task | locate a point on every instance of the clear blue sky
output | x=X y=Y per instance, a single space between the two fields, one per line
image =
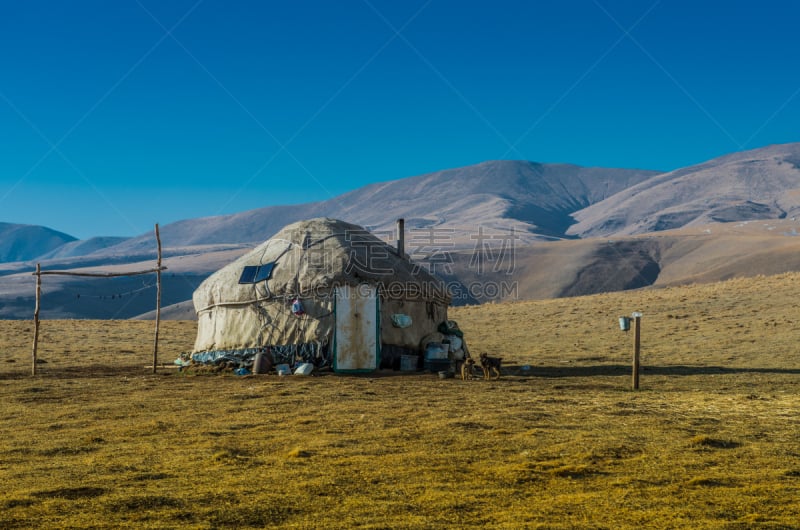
x=118 y=114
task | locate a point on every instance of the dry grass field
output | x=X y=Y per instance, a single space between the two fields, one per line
x=709 y=441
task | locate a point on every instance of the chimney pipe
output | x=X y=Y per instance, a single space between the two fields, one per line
x=401 y=238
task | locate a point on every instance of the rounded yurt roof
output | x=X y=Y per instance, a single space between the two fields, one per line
x=310 y=258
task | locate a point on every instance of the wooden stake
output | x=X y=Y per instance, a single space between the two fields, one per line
x=36 y=316
x=637 y=322
x=158 y=300
x=401 y=238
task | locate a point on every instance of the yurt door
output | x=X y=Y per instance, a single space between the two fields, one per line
x=356 y=342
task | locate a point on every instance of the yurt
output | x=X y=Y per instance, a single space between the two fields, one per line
x=322 y=292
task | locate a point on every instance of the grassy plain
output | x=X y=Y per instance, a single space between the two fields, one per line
x=709 y=441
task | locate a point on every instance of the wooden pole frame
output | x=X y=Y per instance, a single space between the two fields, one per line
x=39 y=273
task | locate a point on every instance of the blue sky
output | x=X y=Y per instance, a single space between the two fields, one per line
x=117 y=115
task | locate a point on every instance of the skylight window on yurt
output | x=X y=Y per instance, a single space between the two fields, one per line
x=256 y=273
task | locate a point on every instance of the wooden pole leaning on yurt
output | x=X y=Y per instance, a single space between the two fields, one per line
x=158 y=300
x=36 y=317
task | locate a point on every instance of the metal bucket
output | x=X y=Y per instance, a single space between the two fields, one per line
x=624 y=323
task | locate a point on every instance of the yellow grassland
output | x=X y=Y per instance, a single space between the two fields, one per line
x=711 y=440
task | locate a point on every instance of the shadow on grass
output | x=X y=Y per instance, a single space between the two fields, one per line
x=625 y=369
x=88 y=371
x=92 y=371
x=100 y=371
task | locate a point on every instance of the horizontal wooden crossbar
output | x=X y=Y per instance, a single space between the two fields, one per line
x=99 y=274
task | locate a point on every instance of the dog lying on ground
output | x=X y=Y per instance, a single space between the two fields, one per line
x=490 y=365
x=466 y=368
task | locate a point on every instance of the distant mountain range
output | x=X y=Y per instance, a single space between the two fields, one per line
x=540 y=203
x=26 y=242
x=758 y=184
x=535 y=199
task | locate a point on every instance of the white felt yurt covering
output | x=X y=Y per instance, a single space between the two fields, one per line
x=309 y=260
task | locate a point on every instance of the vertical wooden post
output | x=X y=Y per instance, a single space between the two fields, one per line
x=158 y=300
x=637 y=322
x=36 y=317
x=401 y=238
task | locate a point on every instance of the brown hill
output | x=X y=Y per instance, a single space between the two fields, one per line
x=701 y=254
x=758 y=184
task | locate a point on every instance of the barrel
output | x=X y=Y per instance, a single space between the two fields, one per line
x=260 y=363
